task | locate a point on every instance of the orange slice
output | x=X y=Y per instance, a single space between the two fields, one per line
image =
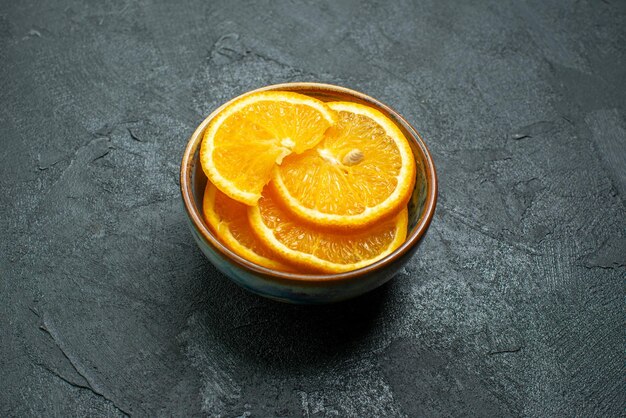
x=229 y=221
x=362 y=170
x=252 y=134
x=326 y=251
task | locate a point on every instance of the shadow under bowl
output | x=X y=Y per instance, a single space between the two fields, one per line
x=311 y=288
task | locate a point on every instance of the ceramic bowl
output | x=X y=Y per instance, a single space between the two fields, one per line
x=307 y=288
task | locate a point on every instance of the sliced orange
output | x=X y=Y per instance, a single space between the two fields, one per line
x=229 y=221
x=362 y=170
x=252 y=134
x=327 y=251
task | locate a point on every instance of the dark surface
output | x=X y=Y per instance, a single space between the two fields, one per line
x=514 y=305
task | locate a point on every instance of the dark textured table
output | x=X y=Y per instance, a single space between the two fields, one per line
x=514 y=305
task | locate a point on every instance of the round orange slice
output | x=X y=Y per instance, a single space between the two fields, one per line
x=362 y=170
x=327 y=251
x=251 y=135
x=229 y=221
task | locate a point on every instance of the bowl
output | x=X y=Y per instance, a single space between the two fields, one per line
x=311 y=288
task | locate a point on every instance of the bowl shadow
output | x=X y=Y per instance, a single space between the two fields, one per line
x=260 y=333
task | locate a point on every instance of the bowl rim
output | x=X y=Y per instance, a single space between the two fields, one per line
x=412 y=239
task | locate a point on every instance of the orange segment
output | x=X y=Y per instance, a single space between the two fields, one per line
x=362 y=170
x=252 y=134
x=229 y=221
x=323 y=250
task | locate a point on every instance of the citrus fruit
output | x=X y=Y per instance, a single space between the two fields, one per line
x=229 y=221
x=251 y=135
x=362 y=170
x=315 y=248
